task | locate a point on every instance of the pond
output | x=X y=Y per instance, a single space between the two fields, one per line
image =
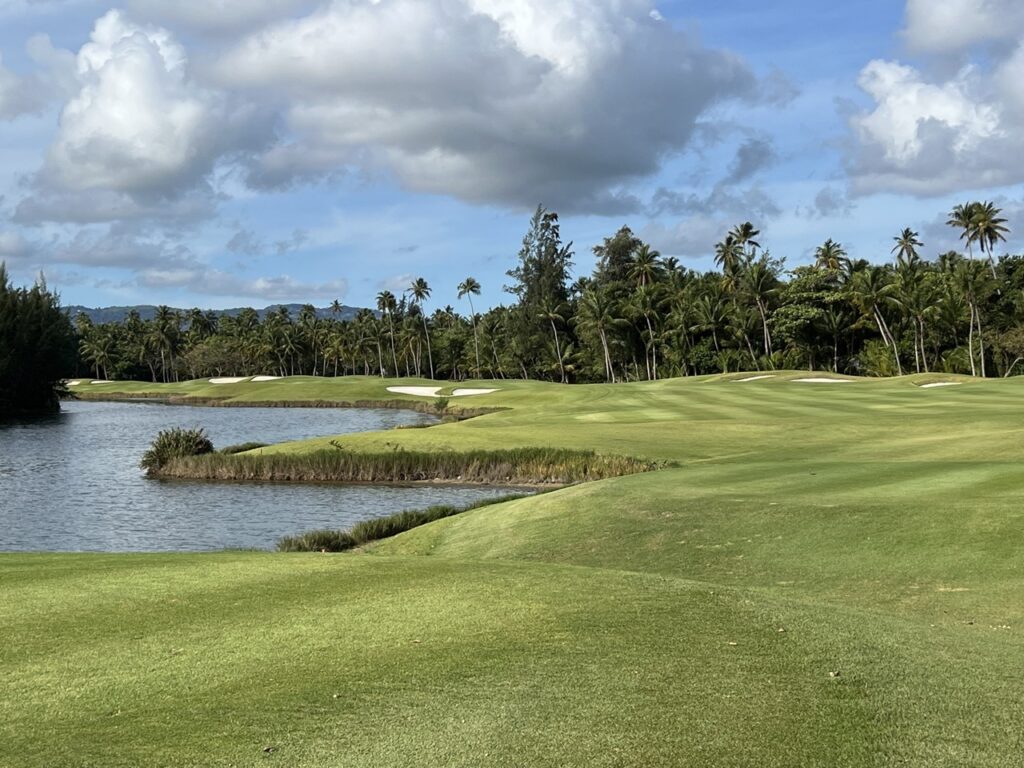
x=72 y=483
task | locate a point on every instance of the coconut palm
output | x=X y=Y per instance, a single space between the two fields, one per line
x=470 y=288
x=552 y=314
x=645 y=267
x=597 y=314
x=420 y=292
x=830 y=255
x=989 y=230
x=871 y=291
x=760 y=282
x=907 y=243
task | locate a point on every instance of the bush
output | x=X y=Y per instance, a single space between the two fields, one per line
x=317 y=541
x=176 y=443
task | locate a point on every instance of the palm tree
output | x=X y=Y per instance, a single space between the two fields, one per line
x=871 y=291
x=989 y=230
x=645 y=266
x=646 y=303
x=597 y=313
x=830 y=255
x=420 y=292
x=962 y=218
x=386 y=305
x=552 y=314
x=470 y=288
x=760 y=281
x=907 y=243
x=744 y=234
x=729 y=256
x=975 y=287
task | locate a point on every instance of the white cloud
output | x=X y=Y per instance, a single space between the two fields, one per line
x=930 y=137
x=489 y=101
x=138 y=124
x=951 y=26
x=218 y=16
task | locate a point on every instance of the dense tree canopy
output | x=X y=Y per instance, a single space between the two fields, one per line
x=37 y=348
x=637 y=316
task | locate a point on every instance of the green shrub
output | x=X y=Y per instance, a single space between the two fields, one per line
x=317 y=541
x=176 y=443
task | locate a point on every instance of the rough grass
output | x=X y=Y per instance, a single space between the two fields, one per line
x=519 y=466
x=378 y=528
x=831 y=576
x=172 y=444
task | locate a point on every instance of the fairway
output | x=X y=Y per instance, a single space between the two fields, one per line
x=824 y=576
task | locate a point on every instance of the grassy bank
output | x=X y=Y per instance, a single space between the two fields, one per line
x=519 y=466
x=830 y=576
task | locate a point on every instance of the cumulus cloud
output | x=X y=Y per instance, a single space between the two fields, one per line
x=931 y=132
x=139 y=135
x=216 y=16
x=951 y=26
x=485 y=100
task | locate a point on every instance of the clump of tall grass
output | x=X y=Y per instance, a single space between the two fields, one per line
x=517 y=466
x=243 y=447
x=175 y=444
x=376 y=529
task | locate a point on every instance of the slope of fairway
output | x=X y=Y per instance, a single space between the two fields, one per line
x=828 y=576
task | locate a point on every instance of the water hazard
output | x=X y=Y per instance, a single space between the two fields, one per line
x=72 y=482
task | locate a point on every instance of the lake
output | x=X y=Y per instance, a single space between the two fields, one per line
x=72 y=483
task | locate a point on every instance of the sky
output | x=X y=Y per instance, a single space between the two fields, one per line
x=223 y=153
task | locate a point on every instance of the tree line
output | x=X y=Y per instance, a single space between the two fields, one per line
x=37 y=348
x=639 y=315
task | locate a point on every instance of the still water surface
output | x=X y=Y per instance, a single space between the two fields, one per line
x=72 y=482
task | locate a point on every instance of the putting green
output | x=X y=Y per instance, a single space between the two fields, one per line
x=830 y=576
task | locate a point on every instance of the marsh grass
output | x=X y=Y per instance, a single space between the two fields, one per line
x=379 y=528
x=519 y=466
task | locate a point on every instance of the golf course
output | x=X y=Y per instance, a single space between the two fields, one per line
x=822 y=571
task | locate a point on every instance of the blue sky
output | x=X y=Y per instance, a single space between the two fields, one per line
x=226 y=152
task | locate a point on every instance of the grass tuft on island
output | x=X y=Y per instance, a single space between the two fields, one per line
x=517 y=466
x=365 y=531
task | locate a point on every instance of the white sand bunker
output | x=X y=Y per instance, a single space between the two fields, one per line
x=100 y=381
x=433 y=391
x=823 y=380
x=229 y=380
x=74 y=383
x=418 y=391
x=265 y=378
x=756 y=378
x=940 y=384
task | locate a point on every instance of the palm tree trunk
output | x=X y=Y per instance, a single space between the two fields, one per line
x=476 y=344
x=970 y=341
x=981 y=342
x=654 y=349
x=558 y=351
x=430 y=354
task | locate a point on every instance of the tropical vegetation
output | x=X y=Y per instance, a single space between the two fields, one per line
x=37 y=348
x=638 y=316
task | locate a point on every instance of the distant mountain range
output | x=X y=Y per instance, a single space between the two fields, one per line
x=147 y=312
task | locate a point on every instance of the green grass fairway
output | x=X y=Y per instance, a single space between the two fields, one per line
x=832 y=575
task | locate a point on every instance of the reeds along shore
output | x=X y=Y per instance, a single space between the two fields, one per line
x=366 y=531
x=519 y=466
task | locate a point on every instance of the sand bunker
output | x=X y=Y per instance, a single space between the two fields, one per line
x=433 y=391
x=822 y=381
x=265 y=378
x=100 y=381
x=74 y=383
x=418 y=391
x=229 y=380
x=757 y=378
x=940 y=384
